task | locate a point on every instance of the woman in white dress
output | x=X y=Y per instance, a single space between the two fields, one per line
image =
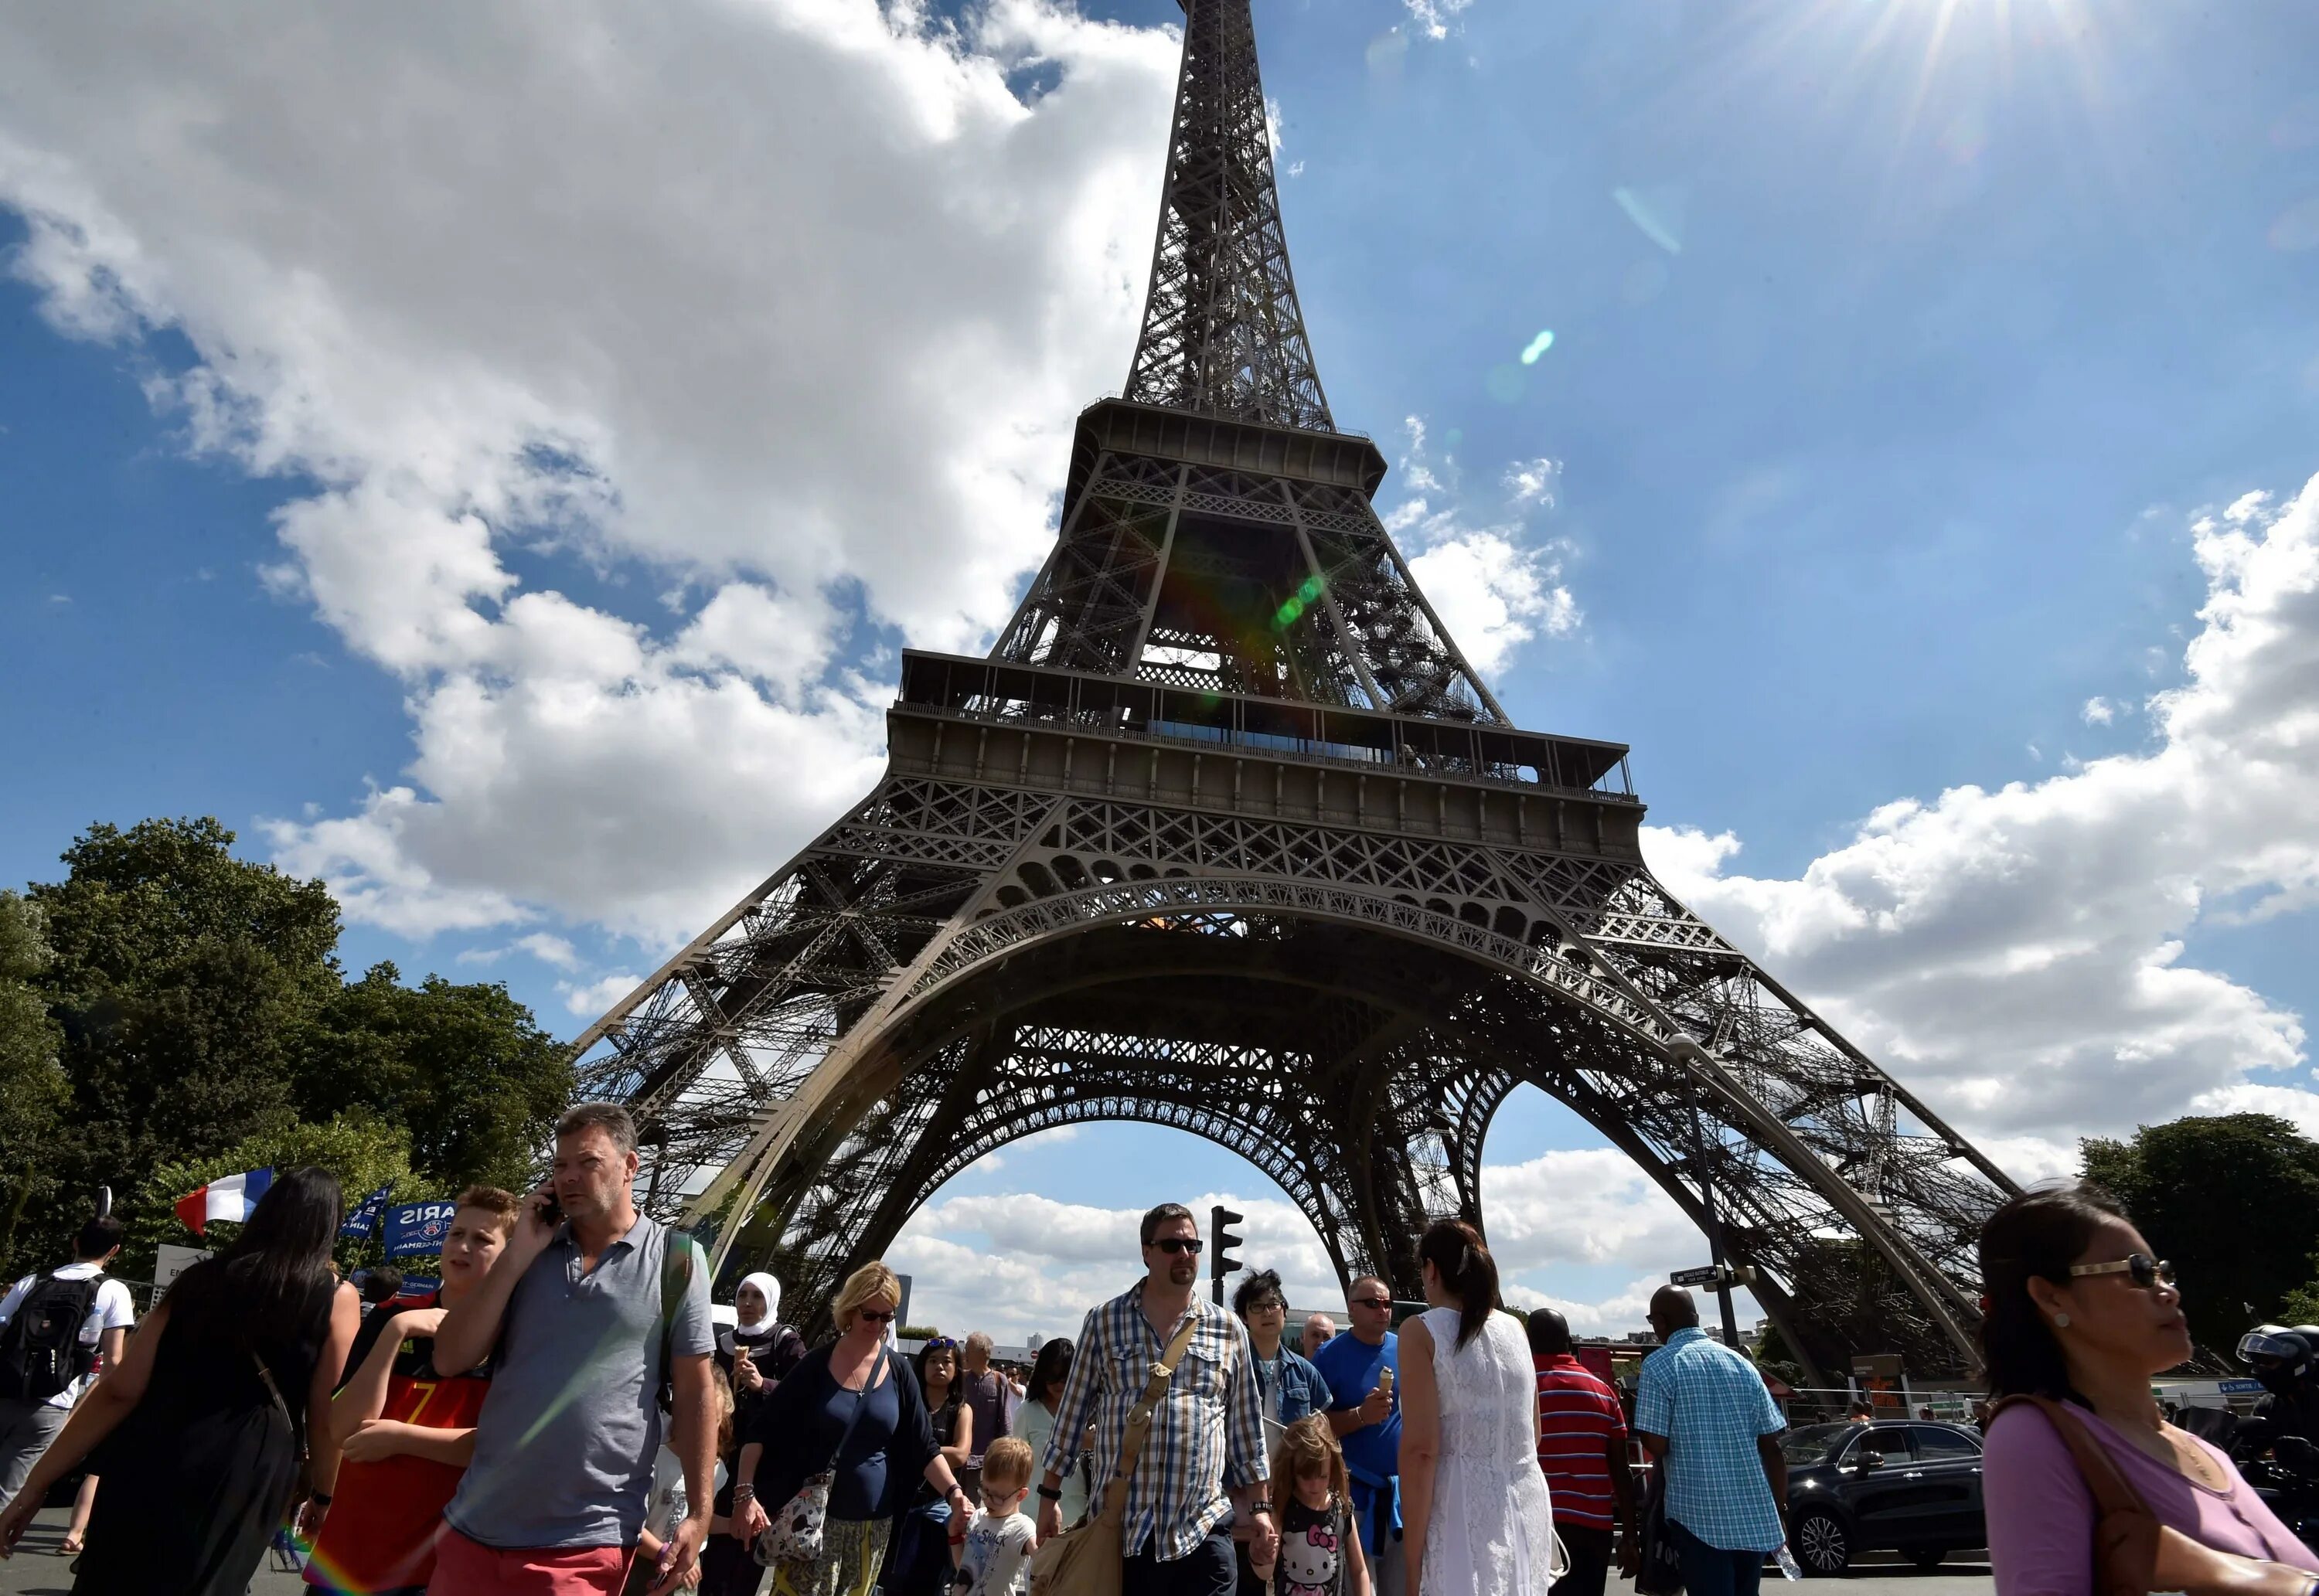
x=1475 y=1516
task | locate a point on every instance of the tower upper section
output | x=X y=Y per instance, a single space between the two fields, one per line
x=1223 y=335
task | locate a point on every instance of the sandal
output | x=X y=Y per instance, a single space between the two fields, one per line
x=72 y=1545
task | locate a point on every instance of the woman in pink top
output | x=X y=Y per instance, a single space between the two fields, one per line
x=2078 y=1311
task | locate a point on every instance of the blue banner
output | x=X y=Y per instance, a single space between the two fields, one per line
x=364 y=1219
x=418 y=1228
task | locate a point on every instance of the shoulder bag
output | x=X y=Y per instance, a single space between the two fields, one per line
x=1659 y=1569
x=303 y=1485
x=1086 y=1561
x=2125 y=1531
x=795 y=1534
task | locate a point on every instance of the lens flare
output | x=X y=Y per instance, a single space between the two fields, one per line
x=1537 y=347
x=1298 y=603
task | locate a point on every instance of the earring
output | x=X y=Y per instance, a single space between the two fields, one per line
x=2061 y=1321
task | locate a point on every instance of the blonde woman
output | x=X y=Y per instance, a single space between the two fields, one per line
x=854 y=1408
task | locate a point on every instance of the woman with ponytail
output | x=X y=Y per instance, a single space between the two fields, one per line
x=1476 y=1521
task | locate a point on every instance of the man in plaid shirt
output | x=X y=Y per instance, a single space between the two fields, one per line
x=1207 y=1433
x=1702 y=1409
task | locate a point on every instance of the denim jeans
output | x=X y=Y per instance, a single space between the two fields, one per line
x=1712 y=1571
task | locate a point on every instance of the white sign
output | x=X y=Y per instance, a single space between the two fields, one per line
x=173 y=1261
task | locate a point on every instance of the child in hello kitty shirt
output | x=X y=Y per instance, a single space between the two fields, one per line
x=1320 y=1555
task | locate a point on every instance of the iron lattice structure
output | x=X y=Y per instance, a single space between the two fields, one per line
x=1226 y=834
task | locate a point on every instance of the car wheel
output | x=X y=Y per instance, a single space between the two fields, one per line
x=1822 y=1545
x=1926 y=1556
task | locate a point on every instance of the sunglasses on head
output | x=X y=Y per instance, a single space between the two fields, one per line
x=942 y=1344
x=1191 y=1244
x=874 y=1316
x=2147 y=1271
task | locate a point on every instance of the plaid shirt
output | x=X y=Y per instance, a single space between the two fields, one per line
x=1207 y=1433
x=1710 y=1405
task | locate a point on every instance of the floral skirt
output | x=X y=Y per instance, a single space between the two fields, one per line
x=850 y=1552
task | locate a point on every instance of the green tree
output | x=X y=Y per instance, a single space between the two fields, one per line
x=2232 y=1199
x=33 y=1084
x=184 y=978
x=206 y=1026
x=463 y=1068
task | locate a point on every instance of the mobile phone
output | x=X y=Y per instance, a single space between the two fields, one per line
x=551 y=1212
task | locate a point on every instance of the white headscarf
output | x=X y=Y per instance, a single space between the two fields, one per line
x=772 y=1290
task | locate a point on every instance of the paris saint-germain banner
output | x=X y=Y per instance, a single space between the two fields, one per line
x=418 y=1228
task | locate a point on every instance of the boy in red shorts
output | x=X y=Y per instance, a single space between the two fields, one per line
x=403 y=1433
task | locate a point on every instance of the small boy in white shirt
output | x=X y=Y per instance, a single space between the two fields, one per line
x=994 y=1556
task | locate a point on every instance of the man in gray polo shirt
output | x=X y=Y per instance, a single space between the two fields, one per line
x=574 y=1319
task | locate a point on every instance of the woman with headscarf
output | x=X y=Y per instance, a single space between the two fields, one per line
x=756 y=1353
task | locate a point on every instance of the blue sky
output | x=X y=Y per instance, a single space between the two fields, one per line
x=1900 y=347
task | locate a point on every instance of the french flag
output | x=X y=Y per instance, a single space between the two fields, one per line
x=229 y=1197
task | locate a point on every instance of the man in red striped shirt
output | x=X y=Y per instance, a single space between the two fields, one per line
x=1582 y=1446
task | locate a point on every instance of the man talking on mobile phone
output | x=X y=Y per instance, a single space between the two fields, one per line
x=595 y=1323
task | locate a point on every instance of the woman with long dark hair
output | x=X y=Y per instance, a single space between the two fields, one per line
x=918 y=1562
x=221 y=1390
x=1035 y=1420
x=2081 y=1314
x=1475 y=1516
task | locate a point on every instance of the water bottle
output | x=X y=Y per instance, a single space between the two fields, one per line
x=1788 y=1569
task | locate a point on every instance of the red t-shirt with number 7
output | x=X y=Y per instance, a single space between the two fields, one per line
x=380 y=1533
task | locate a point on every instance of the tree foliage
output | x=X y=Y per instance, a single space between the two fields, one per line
x=462 y=1069
x=2232 y=1199
x=32 y=1086
x=201 y=1024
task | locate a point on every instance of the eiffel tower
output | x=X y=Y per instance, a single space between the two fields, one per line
x=1226 y=834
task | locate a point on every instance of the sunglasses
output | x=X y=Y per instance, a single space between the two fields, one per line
x=2147 y=1271
x=1370 y=1301
x=873 y=1316
x=1191 y=1244
x=942 y=1344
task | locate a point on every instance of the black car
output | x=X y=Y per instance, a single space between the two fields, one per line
x=1909 y=1486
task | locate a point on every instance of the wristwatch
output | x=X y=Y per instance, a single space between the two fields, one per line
x=1051 y=1492
x=1259 y=1506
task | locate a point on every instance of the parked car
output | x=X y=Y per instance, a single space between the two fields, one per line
x=1904 y=1485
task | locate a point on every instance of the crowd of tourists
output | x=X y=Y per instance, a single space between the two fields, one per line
x=563 y=1414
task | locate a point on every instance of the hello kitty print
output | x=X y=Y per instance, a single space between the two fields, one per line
x=1312 y=1552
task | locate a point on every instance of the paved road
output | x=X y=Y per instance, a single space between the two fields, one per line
x=37 y=1571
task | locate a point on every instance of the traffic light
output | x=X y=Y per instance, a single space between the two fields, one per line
x=1221 y=1242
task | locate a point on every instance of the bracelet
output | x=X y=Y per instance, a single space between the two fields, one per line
x=745 y=1492
x=1050 y=1493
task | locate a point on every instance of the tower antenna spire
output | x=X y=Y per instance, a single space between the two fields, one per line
x=1223 y=335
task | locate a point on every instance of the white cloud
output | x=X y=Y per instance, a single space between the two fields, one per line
x=1531 y=482
x=511 y=281
x=2020 y=955
x=2098 y=711
x=1015 y=1263
x=1493 y=588
x=1433 y=17
x=590 y=998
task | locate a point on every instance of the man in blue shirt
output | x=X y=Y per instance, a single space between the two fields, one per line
x=1364 y=1411
x=1702 y=1409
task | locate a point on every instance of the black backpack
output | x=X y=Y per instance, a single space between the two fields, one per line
x=41 y=1350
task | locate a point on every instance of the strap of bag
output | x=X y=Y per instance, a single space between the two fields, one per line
x=1138 y=1418
x=297 y=1436
x=2125 y=1531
